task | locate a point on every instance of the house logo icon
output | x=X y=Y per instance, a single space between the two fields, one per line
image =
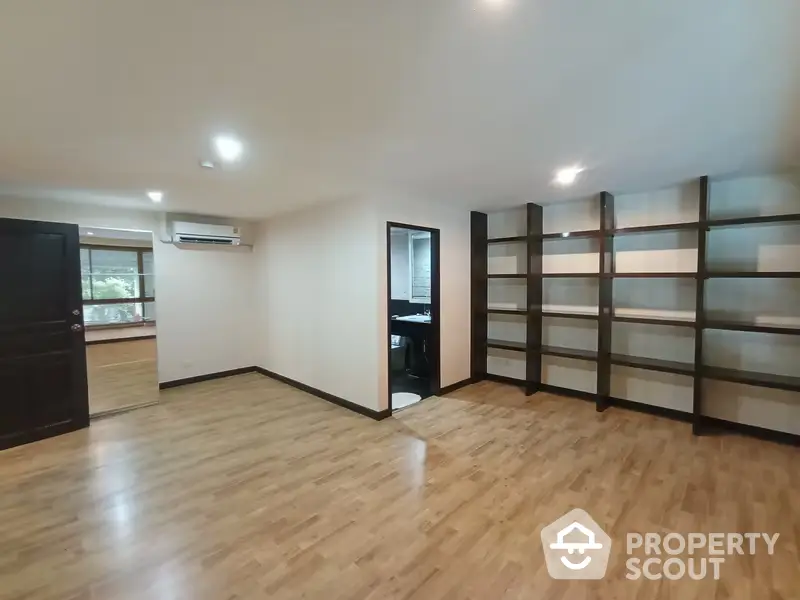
x=575 y=547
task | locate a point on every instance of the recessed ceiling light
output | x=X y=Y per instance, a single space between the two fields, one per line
x=567 y=175
x=90 y=233
x=155 y=195
x=565 y=234
x=207 y=164
x=228 y=148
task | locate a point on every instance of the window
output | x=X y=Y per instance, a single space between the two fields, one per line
x=118 y=285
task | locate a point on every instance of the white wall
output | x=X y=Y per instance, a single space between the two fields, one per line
x=454 y=263
x=317 y=299
x=205 y=310
x=205 y=298
x=322 y=295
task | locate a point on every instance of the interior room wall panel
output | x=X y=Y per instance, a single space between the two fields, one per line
x=506 y=363
x=569 y=373
x=570 y=255
x=777 y=410
x=677 y=204
x=569 y=333
x=666 y=390
x=573 y=215
x=509 y=294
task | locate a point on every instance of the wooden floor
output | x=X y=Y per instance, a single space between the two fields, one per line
x=121 y=375
x=246 y=488
x=120 y=333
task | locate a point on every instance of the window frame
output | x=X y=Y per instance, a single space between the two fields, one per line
x=141 y=298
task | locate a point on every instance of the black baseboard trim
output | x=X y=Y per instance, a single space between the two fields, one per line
x=120 y=340
x=505 y=380
x=658 y=411
x=165 y=385
x=377 y=415
x=449 y=389
x=769 y=435
x=562 y=391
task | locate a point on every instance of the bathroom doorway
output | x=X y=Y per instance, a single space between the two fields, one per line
x=413 y=313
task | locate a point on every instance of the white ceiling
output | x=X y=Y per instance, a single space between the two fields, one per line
x=463 y=101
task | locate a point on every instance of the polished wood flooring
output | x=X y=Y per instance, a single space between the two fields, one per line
x=105 y=334
x=246 y=488
x=121 y=375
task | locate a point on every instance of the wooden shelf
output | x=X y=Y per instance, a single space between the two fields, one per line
x=691 y=364
x=653 y=321
x=769 y=380
x=506 y=345
x=760 y=274
x=508 y=240
x=568 y=315
x=657 y=228
x=761 y=220
x=576 y=353
x=570 y=235
x=690 y=275
x=507 y=311
x=652 y=364
x=754 y=327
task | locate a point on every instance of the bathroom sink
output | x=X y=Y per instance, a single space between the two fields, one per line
x=415 y=318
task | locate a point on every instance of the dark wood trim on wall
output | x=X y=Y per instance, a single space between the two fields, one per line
x=165 y=385
x=533 y=346
x=479 y=292
x=605 y=300
x=449 y=389
x=362 y=410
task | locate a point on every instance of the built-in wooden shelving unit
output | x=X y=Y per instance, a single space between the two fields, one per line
x=694 y=366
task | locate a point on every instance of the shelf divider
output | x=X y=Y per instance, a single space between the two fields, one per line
x=568 y=315
x=508 y=240
x=653 y=321
x=605 y=302
x=700 y=311
x=575 y=353
x=758 y=220
x=753 y=327
x=768 y=380
x=533 y=354
x=507 y=345
x=653 y=364
x=479 y=293
x=760 y=274
x=657 y=228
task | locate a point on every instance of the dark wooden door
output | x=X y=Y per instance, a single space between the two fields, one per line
x=43 y=388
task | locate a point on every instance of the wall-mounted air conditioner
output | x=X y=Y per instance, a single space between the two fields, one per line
x=200 y=233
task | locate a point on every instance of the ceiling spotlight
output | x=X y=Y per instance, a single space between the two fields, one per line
x=567 y=175
x=207 y=164
x=228 y=148
x=155 y=195
x=90 y=233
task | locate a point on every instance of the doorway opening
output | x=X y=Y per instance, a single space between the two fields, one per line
x=119 y=304
x=413 y=313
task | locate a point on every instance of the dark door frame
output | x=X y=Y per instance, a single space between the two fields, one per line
x=436 y=363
